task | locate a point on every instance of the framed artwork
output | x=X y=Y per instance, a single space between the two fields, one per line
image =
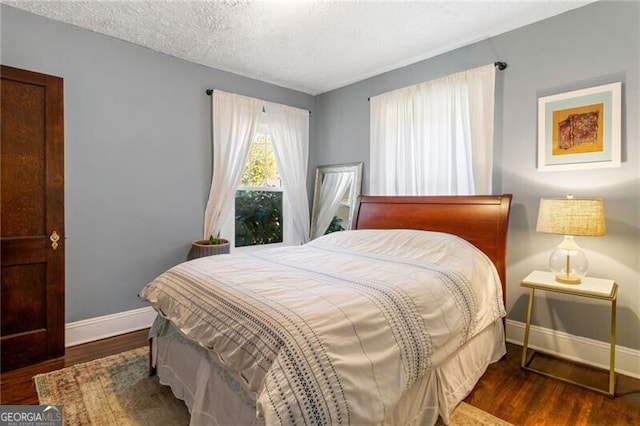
x=580 y=129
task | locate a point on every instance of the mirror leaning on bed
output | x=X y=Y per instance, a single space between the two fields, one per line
x=335 y=192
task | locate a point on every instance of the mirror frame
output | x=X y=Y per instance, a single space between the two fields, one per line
x=354 y=191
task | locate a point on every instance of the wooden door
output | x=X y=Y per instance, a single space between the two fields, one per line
x=32 y=217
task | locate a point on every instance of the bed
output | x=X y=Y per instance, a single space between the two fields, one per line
x=392 y=322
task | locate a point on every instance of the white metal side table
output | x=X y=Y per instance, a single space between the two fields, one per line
x=592 y=288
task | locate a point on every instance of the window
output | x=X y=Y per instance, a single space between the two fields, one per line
x=259 y=197
x=269 y=189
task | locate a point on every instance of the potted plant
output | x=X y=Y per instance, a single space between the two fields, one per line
x=335 y=225
x=209 y=247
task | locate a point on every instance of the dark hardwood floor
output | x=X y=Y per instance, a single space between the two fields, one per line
x=506 y=391
x=523 y=397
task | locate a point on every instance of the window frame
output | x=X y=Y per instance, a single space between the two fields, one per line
x=228 y=228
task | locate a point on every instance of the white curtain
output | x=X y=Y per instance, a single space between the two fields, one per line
x=235 y=123
x=332 y=191
x=289 y=129
x=434 y=138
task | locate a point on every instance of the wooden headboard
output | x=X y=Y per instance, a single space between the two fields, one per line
x=482 y=219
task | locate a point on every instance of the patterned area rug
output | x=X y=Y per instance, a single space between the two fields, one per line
x=467 y=415
x=116 y=390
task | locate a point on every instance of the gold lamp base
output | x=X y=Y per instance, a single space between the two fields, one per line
x=568 y=279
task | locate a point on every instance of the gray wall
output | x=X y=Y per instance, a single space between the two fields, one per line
x=596 y=44
x=137 y=153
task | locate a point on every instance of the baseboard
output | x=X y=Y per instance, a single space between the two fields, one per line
x=575 y=348
x=105 y=326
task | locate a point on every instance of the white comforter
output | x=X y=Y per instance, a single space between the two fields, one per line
x=333 y=332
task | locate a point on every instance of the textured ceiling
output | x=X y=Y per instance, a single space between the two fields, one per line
x=310 y=46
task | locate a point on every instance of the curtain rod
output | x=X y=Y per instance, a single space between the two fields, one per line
x=500 y=65
x=210 y=92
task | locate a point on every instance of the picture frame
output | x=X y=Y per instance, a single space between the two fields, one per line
x=580 y=129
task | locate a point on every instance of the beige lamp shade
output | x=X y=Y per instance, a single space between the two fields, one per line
x=571 y=216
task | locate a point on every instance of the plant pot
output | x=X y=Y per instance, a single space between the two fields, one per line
x=202 y=248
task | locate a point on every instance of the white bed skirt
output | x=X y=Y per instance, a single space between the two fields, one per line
x=214 y=398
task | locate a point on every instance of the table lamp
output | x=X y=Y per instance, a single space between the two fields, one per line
x=570 y=216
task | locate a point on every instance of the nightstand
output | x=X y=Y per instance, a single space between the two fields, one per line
x=592 y=288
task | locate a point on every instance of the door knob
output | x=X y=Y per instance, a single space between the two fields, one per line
x=54 y=240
